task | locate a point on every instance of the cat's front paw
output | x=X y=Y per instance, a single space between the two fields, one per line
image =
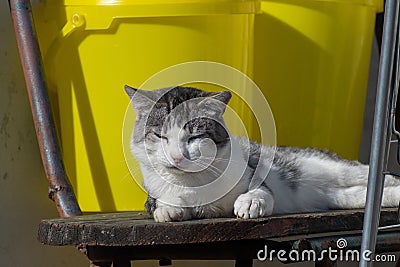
x=250 y=205
x=169 y=214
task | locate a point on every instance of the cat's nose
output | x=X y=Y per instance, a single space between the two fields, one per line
x=177 y=158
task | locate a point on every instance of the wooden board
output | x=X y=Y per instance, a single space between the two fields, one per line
x=137 y=228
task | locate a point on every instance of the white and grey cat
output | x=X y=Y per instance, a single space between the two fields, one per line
x=193 y=168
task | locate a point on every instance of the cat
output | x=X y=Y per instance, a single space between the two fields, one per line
x=193 y=168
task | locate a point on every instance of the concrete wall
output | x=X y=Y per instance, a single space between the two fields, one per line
x=23 y=186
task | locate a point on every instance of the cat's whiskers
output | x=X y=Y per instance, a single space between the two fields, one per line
x=132 y=173
x=212 y=172
x=128 y=159
x=210 y=168
x=124 y=178
x=222 y=159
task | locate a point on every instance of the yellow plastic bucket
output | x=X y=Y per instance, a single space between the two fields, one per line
x=311 y=61
x=92 y=48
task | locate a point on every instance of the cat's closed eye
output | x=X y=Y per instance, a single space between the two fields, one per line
x=195 y=137
x=159 y=136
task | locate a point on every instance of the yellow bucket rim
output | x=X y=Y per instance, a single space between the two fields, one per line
x=378 y=4
x=148 y=2
x=148 y=8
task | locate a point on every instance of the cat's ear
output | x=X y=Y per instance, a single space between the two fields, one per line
x=223 y=96
x=130 y=91
x=141 y=99
x=215 y=103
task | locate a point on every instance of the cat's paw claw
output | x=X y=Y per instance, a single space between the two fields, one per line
x=249 y=207
x=168 y=214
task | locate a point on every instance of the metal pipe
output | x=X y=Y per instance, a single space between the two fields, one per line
x=379 y=145
x=60 y=189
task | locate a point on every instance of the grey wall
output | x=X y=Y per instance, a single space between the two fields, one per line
x=23 y=187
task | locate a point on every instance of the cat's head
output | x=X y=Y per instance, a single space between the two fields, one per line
x=179 y=130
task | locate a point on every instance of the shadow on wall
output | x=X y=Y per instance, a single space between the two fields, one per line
x=313 y=70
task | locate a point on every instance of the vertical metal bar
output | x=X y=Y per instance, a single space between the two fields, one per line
x=395 y=99
x=394 y=93
x=379 y=146
x=60 y=189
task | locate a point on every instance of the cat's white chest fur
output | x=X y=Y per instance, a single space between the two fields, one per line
x=213 y=190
